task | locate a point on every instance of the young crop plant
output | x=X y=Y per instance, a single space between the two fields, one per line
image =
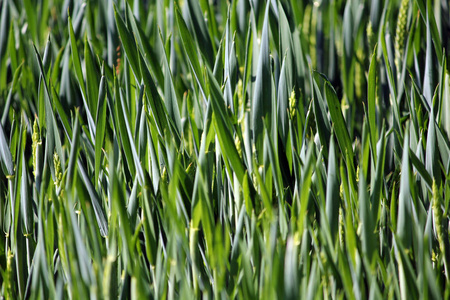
x=224 y=149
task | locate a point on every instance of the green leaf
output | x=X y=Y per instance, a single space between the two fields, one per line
x=25 y=200
x=332 y=190
x=10 y=94
x=421 y=169
x=128 y=43
x=31 y=19
x=201 y=31
x=262 y=98
x=431 y=23
x=432 y=154
x=61 y=113
x=4 y=21
x=95 y=201
x=428 y=80
x=122 y=124
x=190 y=50
x=170 y=95
x=320 y=114
x=150 y=53
x=371 y=102
x=6 y=156
x=79 y=74
x=224 y=129
x=367 y=232
x=340 y=127
x=92 y=79
x=53 y=140
x=73 y=156
x=275 y=166
x=283 y=102
x=376 y=195
x=100 y=125
x=404 y=226
x=156 y=106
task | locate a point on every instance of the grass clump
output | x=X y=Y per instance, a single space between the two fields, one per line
x=224 y=150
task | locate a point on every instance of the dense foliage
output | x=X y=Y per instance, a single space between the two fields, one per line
x=224 y=149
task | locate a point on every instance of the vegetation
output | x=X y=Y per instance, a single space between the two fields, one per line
x=224 y=149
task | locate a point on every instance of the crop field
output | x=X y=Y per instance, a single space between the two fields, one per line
x=244 y=149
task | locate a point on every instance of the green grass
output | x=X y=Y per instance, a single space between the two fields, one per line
x=230 y=150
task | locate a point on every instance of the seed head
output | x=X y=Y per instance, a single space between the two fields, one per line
x=9 y=284
x=58 y=170
x=370 y=36
x=341 y=227
x=36 y=138
x=292 y=104
x=401 y=33
x=359 y=73
x=239 y=91
x=237 y=143
x=164 y=175
x=438 y=217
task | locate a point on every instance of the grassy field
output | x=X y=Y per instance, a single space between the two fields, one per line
x=240 y=149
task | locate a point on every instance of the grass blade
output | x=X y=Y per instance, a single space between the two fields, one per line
x=262 y=99
x=7 y=160
x=340 y=127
